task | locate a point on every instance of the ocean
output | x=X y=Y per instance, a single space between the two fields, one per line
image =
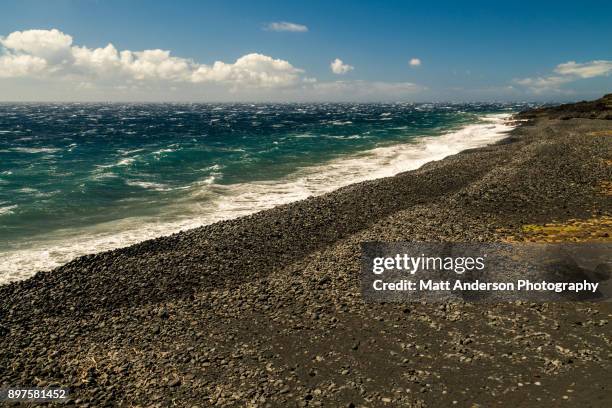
x=83 y=178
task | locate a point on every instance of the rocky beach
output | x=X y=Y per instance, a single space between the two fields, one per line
x=266 y=310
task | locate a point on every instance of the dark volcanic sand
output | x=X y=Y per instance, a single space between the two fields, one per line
x=265 y=310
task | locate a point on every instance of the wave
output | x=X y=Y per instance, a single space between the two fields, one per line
x=207 y=202
x=245 y=198
x=126 y=161
x=6 y=211
x=148 y=185
x=34 y=150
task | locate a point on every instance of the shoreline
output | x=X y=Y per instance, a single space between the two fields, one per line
x=266 y=308
x=243 y=199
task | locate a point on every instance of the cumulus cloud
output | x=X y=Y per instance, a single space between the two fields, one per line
x=415 y=62
x=286 y=26
x=255 y=69
x=51 y=54
x=52 y=45
x=71 y=71
x=20 y=65
x=339 y=68
x=565 y=73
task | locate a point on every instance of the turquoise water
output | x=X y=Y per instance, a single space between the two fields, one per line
x=78 y=178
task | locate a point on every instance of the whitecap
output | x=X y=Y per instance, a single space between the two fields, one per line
x=148 y=185
x=34 y=150
x=124 y=152
x=215 y=167
x=102 y=175
x=162 y=151
x=124 y=162
x=6 y=211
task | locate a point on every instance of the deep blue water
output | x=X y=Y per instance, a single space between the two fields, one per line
x=70 y=172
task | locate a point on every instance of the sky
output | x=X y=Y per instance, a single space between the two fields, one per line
x=282 y=51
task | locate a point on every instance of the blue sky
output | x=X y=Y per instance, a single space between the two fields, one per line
x=467 y=50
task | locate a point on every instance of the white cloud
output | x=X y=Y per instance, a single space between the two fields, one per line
x=565 y=73
x=369 y=86
x=66 y=71
x=586 y=70
x=20 y=65
x=50 y=54
x=52 y=45
x=361 y=90
x=415 y=62
x=286 y=26
x=251 y=69
x=544 y=82
x=338 y=67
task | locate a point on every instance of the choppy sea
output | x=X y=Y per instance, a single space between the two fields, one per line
x=83 y=178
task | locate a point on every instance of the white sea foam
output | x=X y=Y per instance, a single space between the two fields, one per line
x=5 y=211
x=34 y=150
x=124 y=162
x=125 y=152
x=208 y=202
x=162 y=151
x=148 y=185
x=99 y=175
